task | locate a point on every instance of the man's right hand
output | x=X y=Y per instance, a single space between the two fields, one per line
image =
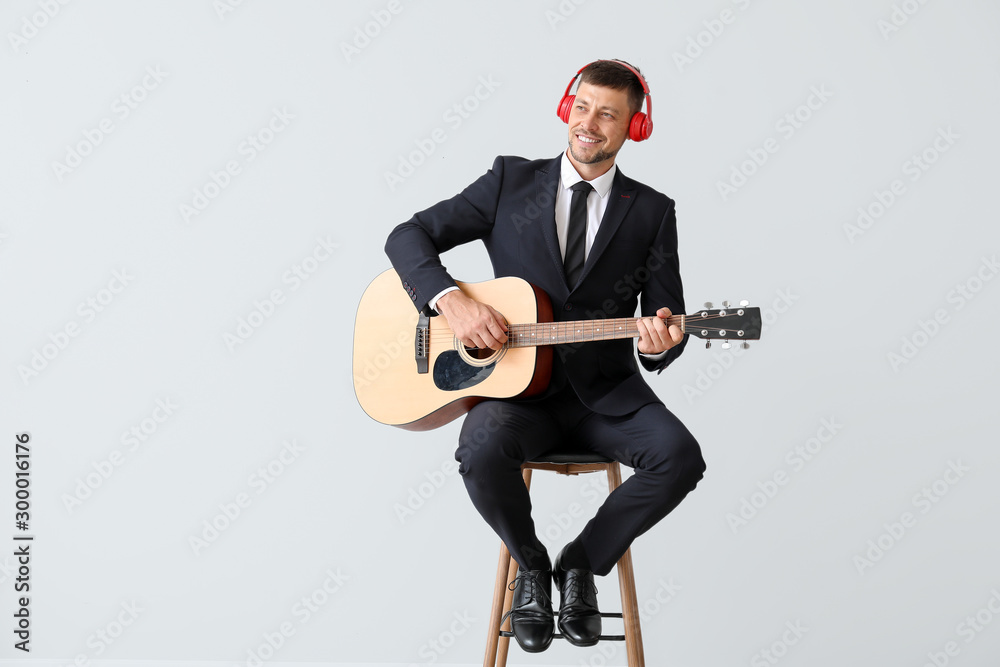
x=475 y=324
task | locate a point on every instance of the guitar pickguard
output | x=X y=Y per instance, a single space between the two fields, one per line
x=451 y=373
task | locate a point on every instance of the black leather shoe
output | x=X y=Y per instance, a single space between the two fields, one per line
x=531 y=617
x=579 y=617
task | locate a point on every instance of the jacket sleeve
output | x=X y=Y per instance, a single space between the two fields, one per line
x=664 y=286
x=415 y=246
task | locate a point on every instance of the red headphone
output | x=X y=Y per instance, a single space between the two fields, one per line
x=641 y=125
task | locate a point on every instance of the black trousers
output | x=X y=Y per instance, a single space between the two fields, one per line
x=498 y=436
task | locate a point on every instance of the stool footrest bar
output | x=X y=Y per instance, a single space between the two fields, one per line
x=603 y=638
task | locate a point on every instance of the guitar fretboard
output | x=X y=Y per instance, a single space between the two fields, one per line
x=579 y=331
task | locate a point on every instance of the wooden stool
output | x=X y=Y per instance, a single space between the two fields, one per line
x=497 y=638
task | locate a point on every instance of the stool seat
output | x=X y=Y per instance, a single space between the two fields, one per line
x=578 y=457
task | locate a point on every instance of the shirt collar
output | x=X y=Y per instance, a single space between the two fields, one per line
x=570 y=177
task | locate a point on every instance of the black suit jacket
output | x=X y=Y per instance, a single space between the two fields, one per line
x=511 y=209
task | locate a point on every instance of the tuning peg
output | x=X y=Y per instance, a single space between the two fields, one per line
x=708 y=304
x=745 y=345
x=725 y=304
x=726 y=345
x=708 y=344
x=744 y=303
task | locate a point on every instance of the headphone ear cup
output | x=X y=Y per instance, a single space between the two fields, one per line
x=640 y=127
x=565 y=107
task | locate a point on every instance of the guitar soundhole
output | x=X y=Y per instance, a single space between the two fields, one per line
x=475 y=356
x=478 y=354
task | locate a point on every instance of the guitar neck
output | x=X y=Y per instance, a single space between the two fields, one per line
x=579 y=331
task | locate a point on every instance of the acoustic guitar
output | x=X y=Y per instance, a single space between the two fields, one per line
x=410 y=371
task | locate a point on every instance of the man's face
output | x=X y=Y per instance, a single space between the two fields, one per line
x=598 y=124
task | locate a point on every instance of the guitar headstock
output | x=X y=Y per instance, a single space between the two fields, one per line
x=740 y=323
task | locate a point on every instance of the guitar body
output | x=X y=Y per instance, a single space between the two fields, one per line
x=387 y=380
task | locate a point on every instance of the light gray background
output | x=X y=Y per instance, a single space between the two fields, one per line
x=837 y=309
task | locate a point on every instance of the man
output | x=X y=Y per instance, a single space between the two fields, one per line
x=599 y=244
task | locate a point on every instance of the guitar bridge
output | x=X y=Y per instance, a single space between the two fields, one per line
x=421 y=342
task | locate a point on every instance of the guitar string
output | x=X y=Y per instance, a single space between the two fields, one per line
x=512 y=341
x=565 y=328
x=568 y=324
x=564 y=338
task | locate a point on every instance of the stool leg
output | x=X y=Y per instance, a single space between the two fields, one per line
x=630 y=611
x=626 y=584
x=503 y=598
x=497 y=608
x=507 y=601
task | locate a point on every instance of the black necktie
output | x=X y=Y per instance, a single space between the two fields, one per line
x=576 y=235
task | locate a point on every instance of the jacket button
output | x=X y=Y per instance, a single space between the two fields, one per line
x=568 y=306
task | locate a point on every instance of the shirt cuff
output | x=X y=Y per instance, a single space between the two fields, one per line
x=655 y=357
x=433 y=302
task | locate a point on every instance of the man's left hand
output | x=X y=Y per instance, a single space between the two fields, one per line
x=655 y=336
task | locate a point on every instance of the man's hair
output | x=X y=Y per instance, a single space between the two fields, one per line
x=611 y=74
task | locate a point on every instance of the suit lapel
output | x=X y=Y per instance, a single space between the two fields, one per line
x=546 y=181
